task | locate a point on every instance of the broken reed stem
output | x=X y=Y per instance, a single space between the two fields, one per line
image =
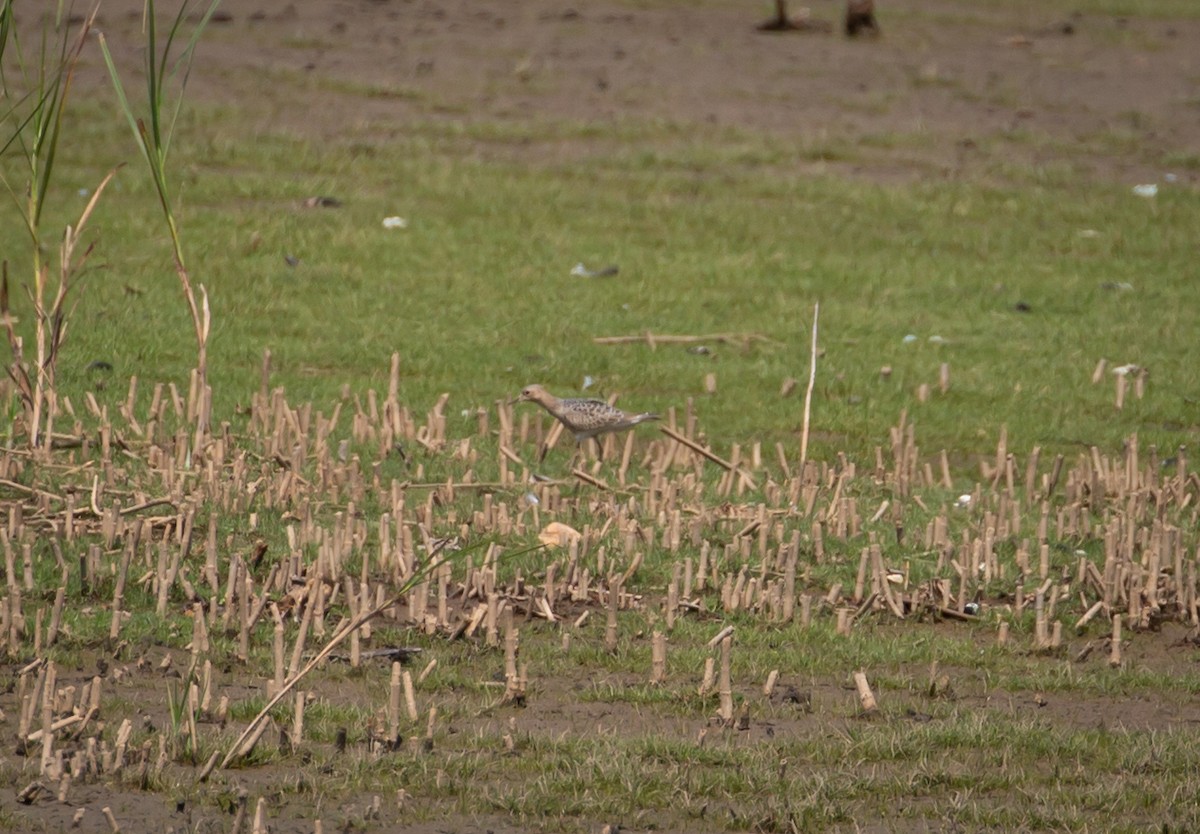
x=651 y=338
x=610 y=630
x=410 y=696
x=696 y=447
x=866 y=698
x=260 y=816
x=724 y=682
x=658 y=657
x=298 y=717
x=345 y=631
x=720 y=636
x=394 y=703
x=710 y=677
x=1114 y=657
x=114 y=630
x=812 y=379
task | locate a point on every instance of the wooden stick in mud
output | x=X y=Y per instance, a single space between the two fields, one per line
x=277 y=650
x=710 y=677
x=114 y=630
x=720 y=636
x=1114 y=657
x=696 y=447
x=394 y=704
x=651 y=338
x=430 y=725
x=302 y=635
x=724 y=682
x=410 y=697
x=812 y=379
x=610 y=631
x=260 y=816
x=866 y=698
x=56 y=613
x=342 y=634
x=588 y=479
x=658 y=657
x=298 y=717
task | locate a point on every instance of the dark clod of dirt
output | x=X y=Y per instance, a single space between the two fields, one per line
x=791 y=695
x=322 y=201
x=860 y=18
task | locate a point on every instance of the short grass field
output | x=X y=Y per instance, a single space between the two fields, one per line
x=1019 y=287
x=339 y=601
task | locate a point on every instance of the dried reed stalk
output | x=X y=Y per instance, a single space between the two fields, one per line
x=724 y=681
x=866 y=698
x=342 y=633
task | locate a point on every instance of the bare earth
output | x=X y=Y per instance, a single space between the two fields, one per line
x=952 y=89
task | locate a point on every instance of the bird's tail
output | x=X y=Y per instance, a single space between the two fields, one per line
x=644 y=418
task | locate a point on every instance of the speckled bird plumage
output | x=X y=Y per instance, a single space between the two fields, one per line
x=584 y=418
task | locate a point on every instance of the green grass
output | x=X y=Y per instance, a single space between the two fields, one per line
x=712 y=235
x=715 y=230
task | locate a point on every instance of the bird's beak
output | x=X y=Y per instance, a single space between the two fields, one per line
x=517 y=399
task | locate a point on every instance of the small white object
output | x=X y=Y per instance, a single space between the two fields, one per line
x=1147 y=190
x=937 y=340
x=580 y=270
x=1124 y=370
x=83 y=192
x=395 y=223
x=531 y=499
x=1171 y=177
x=909 y=339
x=964 y=500
x=588 y=382
x=1088 y=233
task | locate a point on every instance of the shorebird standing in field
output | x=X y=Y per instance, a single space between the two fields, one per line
x=584 y=418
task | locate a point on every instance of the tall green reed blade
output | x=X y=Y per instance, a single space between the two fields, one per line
x=154 y=142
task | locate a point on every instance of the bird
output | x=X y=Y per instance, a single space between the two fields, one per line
x=584 y=418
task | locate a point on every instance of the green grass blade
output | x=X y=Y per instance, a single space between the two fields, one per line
x=184 y=64
x=124 y=101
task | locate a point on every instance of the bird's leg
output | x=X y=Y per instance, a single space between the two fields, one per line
x=599 y=440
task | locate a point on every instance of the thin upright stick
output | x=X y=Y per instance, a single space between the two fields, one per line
x=812 y=379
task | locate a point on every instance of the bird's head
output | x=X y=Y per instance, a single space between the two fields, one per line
x=532 y=394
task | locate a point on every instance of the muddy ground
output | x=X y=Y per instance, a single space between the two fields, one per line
x=951 y=89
